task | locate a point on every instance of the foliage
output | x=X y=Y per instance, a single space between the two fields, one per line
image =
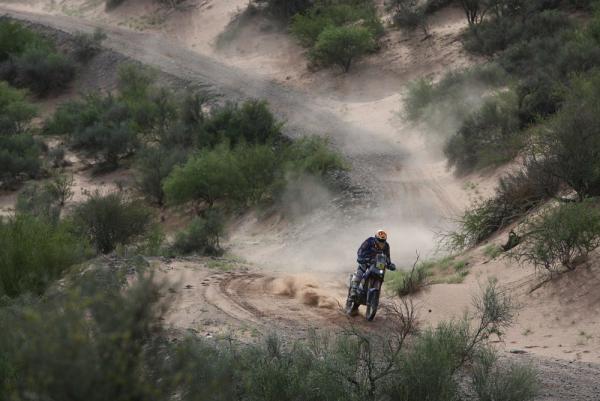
x=569 y=143
x=15 y=38
x=86 y=46
x=285 y=9
x=39 y=201
x=15 y=111
x=508 y=381
x=403 y=283
x=487 y=137
x=516 y=194
x=43 y=70
x=308 y=26
x=342 y=45
x=153 y=165
x=312 y=155
x=561 y=237
x=34 y=253
x=110 y=4
x=110 y=220
x=19 y=156
x=202 y=236
x=409 y=14
x=252 y=122
x=99 y=125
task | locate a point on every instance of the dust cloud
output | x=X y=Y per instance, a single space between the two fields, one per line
x=411 y=194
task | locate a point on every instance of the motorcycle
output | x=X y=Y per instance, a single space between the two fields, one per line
x=368 y=292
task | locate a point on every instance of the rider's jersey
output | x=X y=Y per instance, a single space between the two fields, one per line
x=368 y=250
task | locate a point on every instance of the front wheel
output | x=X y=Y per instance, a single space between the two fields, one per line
x=372 y=306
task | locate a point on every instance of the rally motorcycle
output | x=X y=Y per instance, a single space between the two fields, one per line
x=369 y=289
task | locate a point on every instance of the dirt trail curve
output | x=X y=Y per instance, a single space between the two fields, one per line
x=303 y=113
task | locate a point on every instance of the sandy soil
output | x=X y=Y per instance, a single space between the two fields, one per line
x=404 y=187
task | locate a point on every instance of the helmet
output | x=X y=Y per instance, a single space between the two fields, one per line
x=381 y=235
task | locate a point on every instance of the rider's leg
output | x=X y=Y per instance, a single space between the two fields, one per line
x=357 y=280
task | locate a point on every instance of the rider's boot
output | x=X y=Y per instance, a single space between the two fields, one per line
x=354 y=287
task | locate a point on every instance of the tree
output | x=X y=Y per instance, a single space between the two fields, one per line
x=209 y=176
x=342 y=45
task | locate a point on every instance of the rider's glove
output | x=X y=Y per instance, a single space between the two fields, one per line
x=392 y=267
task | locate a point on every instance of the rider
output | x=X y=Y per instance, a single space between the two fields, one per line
x=366 y=255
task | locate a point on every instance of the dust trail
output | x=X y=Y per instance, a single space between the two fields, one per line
x=412 y=195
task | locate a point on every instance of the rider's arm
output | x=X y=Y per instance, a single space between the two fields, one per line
x=363 y=252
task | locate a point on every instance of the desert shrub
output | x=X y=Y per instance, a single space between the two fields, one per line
x=502 y=381
x=110 y=220
x=286 y=9
x=342 y=45
x=516 y=194
x=38 y=201
x=15 y=111
x=403 y=283
x=431 y=6
x=110 y=4
x=561 y=237
x=15 y=38
x=312 y=155
x=99 y=340
x=539 y=96
x=251 y=122
x=86 y=46
x=19 y=156
x=101 y=126
x=34 y=253
x=308 y=26
x=487 y=137
x=569 y=143
x=153 y=165
x=208 y=176
x=60 y=188
x=202 y=236
x=409 y=14
x=455 y=93
x=43 y=70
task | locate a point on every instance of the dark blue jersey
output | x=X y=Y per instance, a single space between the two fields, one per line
x=368 y=250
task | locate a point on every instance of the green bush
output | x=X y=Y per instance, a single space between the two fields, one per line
x=86 y=46
x=43 y=70
x=111 y=220
x=252 y=122
x=15 y=38
x=19 y=155
x=516 y=194
x=312 y=155
x=487 y=137
x=202 y=236
x=562 y=237
x=409 y=14
x=286 y=9
x=34 y=253
x=508 y=381
x=38 y=201
x=403 y=283
x=153 y=165
x=15 y=111
x=342 y=45
x=101 y=126
x=308 y=26
x=568 y=144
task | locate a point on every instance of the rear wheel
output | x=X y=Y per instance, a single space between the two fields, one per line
x=372 y=306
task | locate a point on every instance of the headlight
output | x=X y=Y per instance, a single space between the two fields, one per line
x=380 y=271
